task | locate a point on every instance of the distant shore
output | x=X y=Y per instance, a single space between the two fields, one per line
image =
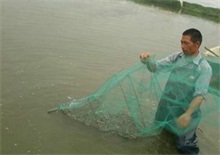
x=197 y=10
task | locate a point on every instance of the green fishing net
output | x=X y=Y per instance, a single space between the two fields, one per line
x=127 y=104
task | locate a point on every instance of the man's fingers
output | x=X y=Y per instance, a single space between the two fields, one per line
x=144 y=55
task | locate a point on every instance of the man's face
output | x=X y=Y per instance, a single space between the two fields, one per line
x=188 y=47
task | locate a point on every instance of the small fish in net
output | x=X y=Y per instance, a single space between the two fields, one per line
x=127 y=104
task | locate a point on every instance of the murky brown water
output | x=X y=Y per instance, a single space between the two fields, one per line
x=56 y=50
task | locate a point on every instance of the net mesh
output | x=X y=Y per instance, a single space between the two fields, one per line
x=127 y=104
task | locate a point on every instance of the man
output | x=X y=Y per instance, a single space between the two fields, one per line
x=185 y=90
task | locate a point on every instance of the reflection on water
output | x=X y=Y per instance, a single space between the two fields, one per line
x=58 y=50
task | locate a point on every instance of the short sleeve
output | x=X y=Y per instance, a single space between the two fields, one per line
x=202 y=83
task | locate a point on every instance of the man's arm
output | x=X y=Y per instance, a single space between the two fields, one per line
x=165 y=65
x=185 y=119
x=194 y=105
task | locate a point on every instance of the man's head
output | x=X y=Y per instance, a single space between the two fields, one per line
x=191 y=41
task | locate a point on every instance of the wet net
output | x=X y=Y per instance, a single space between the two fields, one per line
x=127 y=103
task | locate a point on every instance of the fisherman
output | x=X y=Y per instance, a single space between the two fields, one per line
x=185 y=90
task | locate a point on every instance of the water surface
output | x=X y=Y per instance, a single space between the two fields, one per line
x=55 y=51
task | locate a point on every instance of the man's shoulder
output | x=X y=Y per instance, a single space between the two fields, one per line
x=205 y=63
x=205 y=66
x=178 y=54
x=175 y=56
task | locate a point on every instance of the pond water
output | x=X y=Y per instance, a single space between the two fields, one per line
x=58 y=50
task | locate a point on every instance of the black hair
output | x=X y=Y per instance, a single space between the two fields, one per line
x=195 y=35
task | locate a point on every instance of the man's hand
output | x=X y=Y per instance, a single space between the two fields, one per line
x=143 y=56
x=184 y=120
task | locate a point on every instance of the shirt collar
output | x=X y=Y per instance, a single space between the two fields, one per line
x=196 y=59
